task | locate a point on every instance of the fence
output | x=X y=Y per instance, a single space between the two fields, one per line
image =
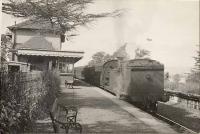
x=190 y=101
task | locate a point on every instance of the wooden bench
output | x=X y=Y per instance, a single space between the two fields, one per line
x=70 y=113
x=69 y=83
x=64 y=125
x=68 y=121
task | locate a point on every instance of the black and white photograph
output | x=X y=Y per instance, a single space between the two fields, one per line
x=99 y=67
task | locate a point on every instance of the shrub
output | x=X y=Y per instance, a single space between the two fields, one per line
x=91 y=75
x=51 y=90
x=24 y=98
x=14 y=105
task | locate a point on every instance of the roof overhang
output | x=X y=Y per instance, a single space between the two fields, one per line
x=56 y=31
x=13 y=63
x=47 y=53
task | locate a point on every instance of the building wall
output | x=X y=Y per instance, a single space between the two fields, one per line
x=37 y=63
x=24 y=35
x=23 y=66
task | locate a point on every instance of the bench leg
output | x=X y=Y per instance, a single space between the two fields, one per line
x=72 y=86
x=66 y=129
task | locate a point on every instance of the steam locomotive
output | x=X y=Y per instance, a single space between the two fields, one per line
x=140 y=81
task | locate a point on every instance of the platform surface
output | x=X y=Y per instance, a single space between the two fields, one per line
x=102 y=112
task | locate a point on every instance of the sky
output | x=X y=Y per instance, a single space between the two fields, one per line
x=171 y=25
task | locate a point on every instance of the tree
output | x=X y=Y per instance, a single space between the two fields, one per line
x=193 y=79
x=193 y=82
x=197 y=61
x=68 y=14
x=107 y=57
x=99 y=59
x=141 y=53
x=166 y=80
x=174 y=85
x=6 y=45
x=176 y=78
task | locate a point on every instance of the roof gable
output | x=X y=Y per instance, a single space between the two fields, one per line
x=35 y=25
x=37 y=43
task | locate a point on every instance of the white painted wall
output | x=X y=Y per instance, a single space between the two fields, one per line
x=24 y=35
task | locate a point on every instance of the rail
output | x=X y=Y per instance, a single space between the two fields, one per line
x=169 y=120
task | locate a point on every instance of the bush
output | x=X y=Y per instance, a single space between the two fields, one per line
x=24 y=99
x=91 y=75
x=15 y=112
x=51 y=89
x=190 y=86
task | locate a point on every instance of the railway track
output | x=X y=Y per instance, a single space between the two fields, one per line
x=171 y=122
x=175 y=124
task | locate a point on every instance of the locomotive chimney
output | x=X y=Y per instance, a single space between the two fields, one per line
x=120 y=59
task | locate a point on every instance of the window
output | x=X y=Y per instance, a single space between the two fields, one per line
x=65 y=67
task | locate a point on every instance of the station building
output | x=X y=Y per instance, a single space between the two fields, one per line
x=39 y=44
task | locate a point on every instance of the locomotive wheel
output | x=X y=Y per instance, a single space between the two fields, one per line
x=153 y=107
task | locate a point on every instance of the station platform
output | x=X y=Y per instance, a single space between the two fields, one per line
x=102 y=112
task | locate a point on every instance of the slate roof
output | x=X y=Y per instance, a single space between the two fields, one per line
x=34 y=24
x=37 y=43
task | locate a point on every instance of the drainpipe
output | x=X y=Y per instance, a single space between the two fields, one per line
x=14 y=44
